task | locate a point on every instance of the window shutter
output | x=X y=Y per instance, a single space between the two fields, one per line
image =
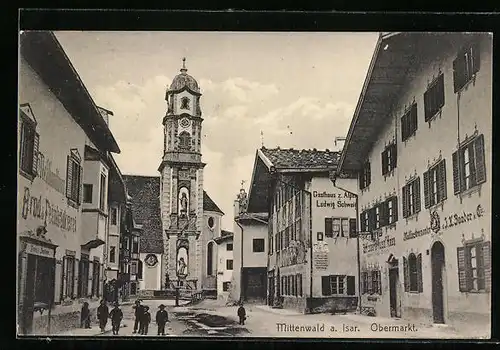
x=440 y=91
x=325 y=286
x=486 y=254
x=58 y=282
x=476 y=57
x=479 y=160
x=36 y=144
x=462 y=276
x=362 y=223
x=69 y=177
x=77 y=277
x=91 y=275
x=371 y=219
x=63 y=278
x=395 y=208
x=361 y=179
x=413 y=118
x=418 y=199
x=328 y=227
x=419 y=273
x=353 y=228
x=385 y=162
x=457 y=73
x=80 y=184
x=441 y=180
x=394 y=153
x=428 y=104
x=370 y=283
x=351 y=285
x=379 y=284
x=79 y=291
x=407 y=274
x=404 y=131
x=406 y=201
x=427 y=189
x=456 y=173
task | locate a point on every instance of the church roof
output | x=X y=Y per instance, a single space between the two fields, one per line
x=209 y=204
x=184 y=80
x=301 y=159
x=145 y=193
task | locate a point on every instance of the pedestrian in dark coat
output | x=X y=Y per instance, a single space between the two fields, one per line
x=145 y=321
x=103 y=315
x=161 y=319
x=139 y=310
x=85 y=316
x=116 y=316
x=242 y=314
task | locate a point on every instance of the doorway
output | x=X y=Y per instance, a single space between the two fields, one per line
x=437 y=263
x=393 y=288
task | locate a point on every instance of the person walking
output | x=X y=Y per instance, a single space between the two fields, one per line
x=103 y=315
x=242 y=314
x=85 y=316
x=139 y=310
x=116 y=316
x=161 y=319
x=145 y=321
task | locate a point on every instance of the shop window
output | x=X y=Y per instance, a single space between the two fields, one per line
x=413 y=273
x=435 y=184
x=474 y=266
x=29 y=144
x=258 y=245
x=411 y=198
x=226 y=286
x=389 y=158
x=465 y=66
x=87 y=193
x=469 y=169
x=74 y=176
x=371 y=282
x=229 y=264
x=409 y=123
x=365 y=176
x=434 y=97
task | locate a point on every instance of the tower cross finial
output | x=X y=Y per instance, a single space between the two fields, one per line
x=183 y=62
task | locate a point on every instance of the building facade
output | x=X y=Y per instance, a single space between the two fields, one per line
x=420 y=141
x=225 y=264
x=60 y=258
x=312 y=255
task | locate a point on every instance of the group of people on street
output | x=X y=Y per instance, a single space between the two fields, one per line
x=143 y=318
x=103 y=314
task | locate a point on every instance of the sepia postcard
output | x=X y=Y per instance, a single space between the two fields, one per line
x=254 y=184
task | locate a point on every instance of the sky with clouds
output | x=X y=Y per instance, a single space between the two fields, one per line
x=283 y=89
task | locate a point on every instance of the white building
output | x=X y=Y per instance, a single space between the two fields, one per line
x=225 y=264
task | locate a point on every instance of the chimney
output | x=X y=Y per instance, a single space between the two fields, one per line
x=339 y=143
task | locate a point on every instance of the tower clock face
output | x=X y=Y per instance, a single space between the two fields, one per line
x=185 y=123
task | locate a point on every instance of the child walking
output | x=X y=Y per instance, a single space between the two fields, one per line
x=145 y=321
x=161 y=319
x=116 y=316
x=242 y=314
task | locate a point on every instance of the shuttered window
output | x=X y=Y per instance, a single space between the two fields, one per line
x=409 y=123
x=353 y=229
x=411 y=198
x=329 y=227
x=389 y=159
x=412 y=267
x=465 y=66
x=70 y=277
x=474 y=267
x=376 y=283
x=469 y=169
x=365 y=176
x=58 y=282
x=74 y=177
x=434 y=97
x=435 y=184
x=351 y=285
x=364 y=282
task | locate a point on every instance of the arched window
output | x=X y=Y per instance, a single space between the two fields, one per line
x=185 y=103
x=210 y=259
x=185 y=140
x=413 y=273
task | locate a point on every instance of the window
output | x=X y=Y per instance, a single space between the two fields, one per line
x=70 y=276
x=469 y=169
x=229 y=247
x=370 y=282
x=133 y=268
x=319 y=236
x=299 y=285
x=434 y=97
x=474 y=266
x=389 y=158
x=87 y=193
x=102 y=193
x=74 y=176
x=378 y=212
x=411 y=198
x=409 y=123
x=365 y=176
x=185 y=140
x=96 y=269
x=185 y=103
x=226 y=286
x=29 y=143
x=465 y=66
x=83 y=280
x=211 y=222
x=135 y=245
x=139 y=269
x=390 y=211
x=210 y=259
x=229 y=264
x=258 y=245
x=114 y=216
x=413 y=273
x=112 y=254
x=338 y=285
x=435 y=184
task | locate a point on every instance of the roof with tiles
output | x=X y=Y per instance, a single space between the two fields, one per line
x=145 y=197
x=301 y=159
x=209 y=204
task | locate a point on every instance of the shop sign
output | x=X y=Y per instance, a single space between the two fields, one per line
x=334 y=200
x=320 y=261
x=39 y=250
x=385 y=243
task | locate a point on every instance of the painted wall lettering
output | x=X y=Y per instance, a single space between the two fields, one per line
x=387 y=242
x=343 y=200
x=50 y=176
x=41 y=208
x=416 y=233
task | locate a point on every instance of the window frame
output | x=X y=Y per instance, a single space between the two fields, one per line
x=227 y=247
x=88 y=193
x=365 y=176
x=466 y=65
x=29 y=141
x=411 y=198
x=435 y=184
x=409 y=122
x=185 y=140
x=434 y=98
x=229 y=264
x=389 y=158
x=102 y=191
x=254 y=241
x=112 y=254
x=74 y=178
x=468 y=282
x=477 y=167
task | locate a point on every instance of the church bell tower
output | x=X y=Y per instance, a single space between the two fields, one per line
x=181 y=191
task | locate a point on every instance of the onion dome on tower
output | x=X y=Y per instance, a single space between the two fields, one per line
x=184 y=80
